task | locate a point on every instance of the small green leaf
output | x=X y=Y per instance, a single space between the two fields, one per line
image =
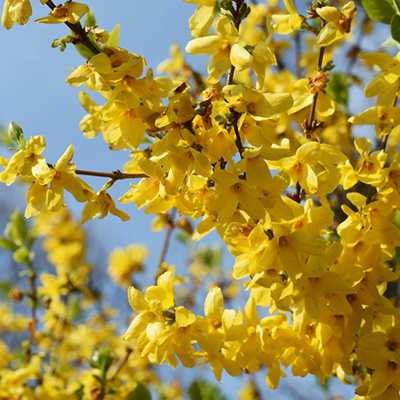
x=83 y=51
x=113 y=40
x=329 y=66
x=396 y=6
x=90 y=20
x=244 y=11
x=337 y=88
x=101 y=359
x=99 y=379
x=141 y=392
x=202 y=390
x=390 y=42
x=15 y=133
x=379 y=10
x=32 y=235
x=17 y=229
x=395 y=27
x=8 y=244
x=23 y=256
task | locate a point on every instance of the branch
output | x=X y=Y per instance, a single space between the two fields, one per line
x=167 y=239
x=115 y=175
x=385 y=138
x=34 y=299
x=120 y=363
x=309 y=126
x=79 y=31
x=236 y=14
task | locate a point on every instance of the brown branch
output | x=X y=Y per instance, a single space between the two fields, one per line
x=115 y=175
x=236 y=14
x=63 y=322
x=167 y=239
x=309 y=126
x=79 y=31
x=120 y=363
x=385 y=138
x=34 y=299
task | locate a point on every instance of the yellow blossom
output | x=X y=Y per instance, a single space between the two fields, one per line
x=337 y=23
x=70 y=11
x=17 y=11
x=124 y=261
x=224 y=49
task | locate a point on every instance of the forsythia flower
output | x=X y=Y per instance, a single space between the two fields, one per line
x=28 y=163
x=124 y=261
x=386 y=83
x=202 y=19
x=17 y=11
x=101 y=204
x=224 y=49
x=288 y=23
x=337 y=23
x=70 y=12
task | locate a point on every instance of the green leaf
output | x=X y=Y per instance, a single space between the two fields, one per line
x=113 y=40
x=141 y=392
x=15 y=133
x=396 y=6
x=379 y=10
x=74 y=308
x=17 y=229
x=23 y=256
x=390 y=42
x=83 y=51
x=395 y=27
x=329 y=66
x=32 y=235
x=202 y=390
x=90 y=20
x=338 y=88
x=7 y=244
x=101 y=359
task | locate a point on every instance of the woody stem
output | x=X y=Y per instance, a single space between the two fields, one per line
x=79 y=31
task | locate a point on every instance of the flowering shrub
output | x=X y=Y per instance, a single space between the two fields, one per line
x=261 y=151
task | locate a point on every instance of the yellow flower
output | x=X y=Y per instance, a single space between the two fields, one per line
x=223 y=48
x=337 y=23
x=386 y=83
x=304 y=95
x=288 y=23
x=384 y=119
x=70 y=12
x=150 y=306
x=17 y=11
x=102 y=204
x=380 y=352
x=370 y=171
x=124 y=261
x=203 y=17
x=28 y=163
x=108 y=68
x=259 y=105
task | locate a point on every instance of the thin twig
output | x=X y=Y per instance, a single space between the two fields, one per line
x=167 y=239
x=236 y=21
x=115 y=175
x=34 y=298
x=311 y=124
x=120 y=363
x=385 y=138
x=79 y=31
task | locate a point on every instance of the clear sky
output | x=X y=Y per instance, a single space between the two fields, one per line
x=34 y=94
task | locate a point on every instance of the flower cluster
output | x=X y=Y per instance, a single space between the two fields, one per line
x=260 y=153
